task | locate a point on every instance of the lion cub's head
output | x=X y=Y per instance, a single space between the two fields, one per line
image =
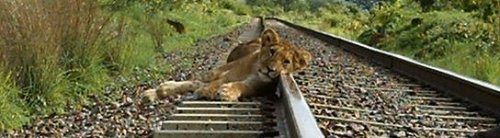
x=280 y=56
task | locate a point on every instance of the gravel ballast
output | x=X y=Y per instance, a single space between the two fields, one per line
x=352 y=97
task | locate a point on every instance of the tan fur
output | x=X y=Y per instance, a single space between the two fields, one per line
x=244 y=49
x=249 y=67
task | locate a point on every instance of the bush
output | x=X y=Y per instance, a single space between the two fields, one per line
x=338 y=17
x=236 y=6
x=451 y=38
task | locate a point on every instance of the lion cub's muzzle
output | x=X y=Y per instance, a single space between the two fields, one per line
x=269 y=73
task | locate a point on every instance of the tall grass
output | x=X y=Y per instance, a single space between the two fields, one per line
x=52 y=51
x=12 y=108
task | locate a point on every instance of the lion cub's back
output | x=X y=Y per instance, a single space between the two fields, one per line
x=244 y=49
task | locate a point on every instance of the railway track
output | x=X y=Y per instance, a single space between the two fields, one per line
x=283 y=115
x=350 y=90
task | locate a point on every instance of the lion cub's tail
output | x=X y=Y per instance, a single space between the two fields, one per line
x=170 y=88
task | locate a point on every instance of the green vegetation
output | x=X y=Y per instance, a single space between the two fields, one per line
x=57 y=53
x=337 y=17
x=458 y=36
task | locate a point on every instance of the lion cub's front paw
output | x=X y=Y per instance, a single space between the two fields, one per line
x=229 y=92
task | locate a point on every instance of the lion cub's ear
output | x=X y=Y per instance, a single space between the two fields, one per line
x=269 y=37
x=305 y=57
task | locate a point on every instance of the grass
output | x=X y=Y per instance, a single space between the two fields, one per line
x=13 y=114
x=57 y=53
x=482 y=67
x=453 y=40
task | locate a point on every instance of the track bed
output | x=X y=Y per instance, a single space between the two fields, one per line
x=352 y=97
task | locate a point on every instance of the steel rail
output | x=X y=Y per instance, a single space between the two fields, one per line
x=479 y=93
x=300 y=121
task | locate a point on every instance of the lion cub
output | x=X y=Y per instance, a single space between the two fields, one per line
x=250 y=68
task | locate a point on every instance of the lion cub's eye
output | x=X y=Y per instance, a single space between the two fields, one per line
x=272 y=50
x=286 y=62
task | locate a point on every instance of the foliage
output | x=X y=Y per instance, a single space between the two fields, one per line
x=444 y=37
x=238 y=7
x=338 y=17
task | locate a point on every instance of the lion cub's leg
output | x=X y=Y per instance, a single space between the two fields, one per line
x=233 y=90
x=208 y=76
x=209 y=91
x=172 y=88
x=214 y=74
x=178 y=87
